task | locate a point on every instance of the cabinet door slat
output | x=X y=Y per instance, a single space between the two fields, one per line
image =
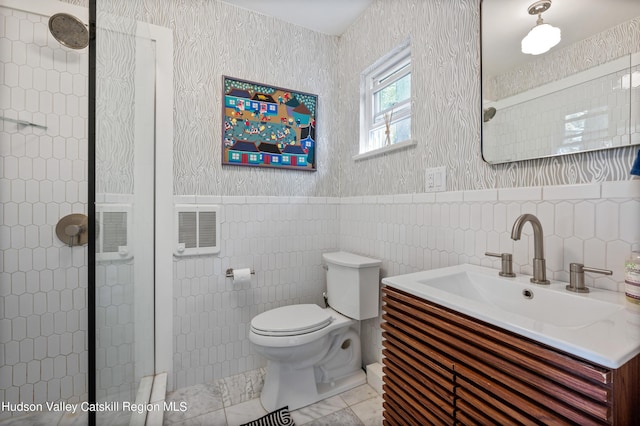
x=398 y=407
x=471 y=414
x=480 y=374
x=418 y=349
x=417 y=413
x=443 y=366
x=417 y=383
x=431 y=404
x=562 y=361
x=390 y=416
x=428 y=378
x=394 y=414
x=501 y=412
x=532 y=384
x=539 y=405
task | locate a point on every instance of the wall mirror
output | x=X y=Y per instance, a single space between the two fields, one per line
x=581 y=95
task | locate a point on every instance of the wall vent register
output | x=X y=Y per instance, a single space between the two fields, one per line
x=197 y=229
x=113 y=232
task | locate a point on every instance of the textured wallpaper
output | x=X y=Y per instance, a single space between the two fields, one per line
x=446 y=90
x=211 y=39
x=83 y=3
x=115 y=105
x=214 y=39
x=445 y=54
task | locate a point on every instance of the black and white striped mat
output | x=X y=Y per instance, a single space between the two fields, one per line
x=280 y=417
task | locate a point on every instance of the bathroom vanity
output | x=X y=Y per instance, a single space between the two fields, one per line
x=443 y=366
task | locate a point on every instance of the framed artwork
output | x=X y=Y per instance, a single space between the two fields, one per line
x=265 y=126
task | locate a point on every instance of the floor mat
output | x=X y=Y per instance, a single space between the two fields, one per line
x=281 y=417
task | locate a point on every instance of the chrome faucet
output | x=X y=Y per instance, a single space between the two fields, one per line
x=539 y=268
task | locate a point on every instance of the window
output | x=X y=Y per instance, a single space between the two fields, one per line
x=386 y=101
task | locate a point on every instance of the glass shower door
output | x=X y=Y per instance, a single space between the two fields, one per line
x=124 y=213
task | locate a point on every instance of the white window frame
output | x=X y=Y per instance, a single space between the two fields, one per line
x=384 y=72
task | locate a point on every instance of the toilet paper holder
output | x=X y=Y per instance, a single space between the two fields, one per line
x=229 y=273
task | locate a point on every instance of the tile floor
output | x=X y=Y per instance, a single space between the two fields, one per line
x=361 y=406
x=231 y=402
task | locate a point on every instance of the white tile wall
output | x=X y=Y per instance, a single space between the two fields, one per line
x=42 y=178
x=115 y=336
x=282 y=239
x=417 y=234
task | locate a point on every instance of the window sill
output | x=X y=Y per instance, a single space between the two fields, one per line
x=384 y=150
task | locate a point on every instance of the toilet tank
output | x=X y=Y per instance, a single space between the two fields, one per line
x=353 y=282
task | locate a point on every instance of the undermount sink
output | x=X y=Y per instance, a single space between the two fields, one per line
x=599 y=326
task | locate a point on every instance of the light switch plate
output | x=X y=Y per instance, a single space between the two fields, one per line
x=436 y=179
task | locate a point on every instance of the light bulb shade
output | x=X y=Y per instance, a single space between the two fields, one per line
x=540 y=39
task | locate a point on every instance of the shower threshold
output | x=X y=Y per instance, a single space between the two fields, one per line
x=150 y=400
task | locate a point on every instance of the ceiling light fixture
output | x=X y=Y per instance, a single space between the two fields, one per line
x=543 y=36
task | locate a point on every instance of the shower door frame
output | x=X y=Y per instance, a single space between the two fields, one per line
x=163 y=195
x=163 y=175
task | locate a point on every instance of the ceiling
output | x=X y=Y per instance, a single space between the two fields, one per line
x=506 y=22
x=331 y=17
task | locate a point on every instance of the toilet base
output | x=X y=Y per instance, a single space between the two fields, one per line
x=276 y=395
x=326 y=390
x=325 y=364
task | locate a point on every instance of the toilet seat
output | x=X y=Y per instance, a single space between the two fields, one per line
x=292 y=320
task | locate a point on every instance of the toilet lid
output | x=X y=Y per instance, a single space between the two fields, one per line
x=291 y=320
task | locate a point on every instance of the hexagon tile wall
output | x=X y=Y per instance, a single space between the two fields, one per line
x=43 y=282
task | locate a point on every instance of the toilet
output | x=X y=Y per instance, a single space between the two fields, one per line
x=314 y=353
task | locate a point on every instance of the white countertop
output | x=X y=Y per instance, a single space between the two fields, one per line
x=599 y=326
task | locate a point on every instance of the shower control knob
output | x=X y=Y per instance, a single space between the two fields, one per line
x=73 y=230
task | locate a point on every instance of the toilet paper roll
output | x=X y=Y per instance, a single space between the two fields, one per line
x=241 y=275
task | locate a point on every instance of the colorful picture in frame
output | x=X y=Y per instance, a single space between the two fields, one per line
x=265 y=126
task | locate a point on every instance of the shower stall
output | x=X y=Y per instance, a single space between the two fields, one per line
x=81 y=133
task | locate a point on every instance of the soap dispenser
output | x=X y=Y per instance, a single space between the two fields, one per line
x=632 y=275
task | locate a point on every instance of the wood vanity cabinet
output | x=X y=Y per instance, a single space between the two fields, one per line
x=445 y=368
